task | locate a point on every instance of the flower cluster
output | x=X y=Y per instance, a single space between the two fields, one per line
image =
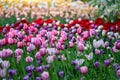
x=49 y=49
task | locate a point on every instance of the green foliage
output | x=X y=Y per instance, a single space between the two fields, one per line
x=110 y=9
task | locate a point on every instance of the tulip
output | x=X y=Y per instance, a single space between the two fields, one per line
x=12 y=72
x=45 y=75
x=26 y=78
x=118 y=73
x=30 y=68
x=18 y=52
x=50 y=59
x=43 y=51
x=5 y=64
x=117 y=45
x=39 y=69
x=29 y=59
x=97 y=64
x=107 y=62
x=81 y=47
x=84 y=69
x=3 y=73
x=61 y=74
x=38 y=78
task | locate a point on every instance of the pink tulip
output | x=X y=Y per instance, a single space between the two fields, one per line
x=54 y=32
x=20 y=35
x=36 y=41
x=92 y=32
x=18 y=52
x=43 y=51
x=71 y=44
x=114 y=49
x=84 y=69
x=38 y=56
x=18 y=58
x=11 y=41
x=79 y=30
x=81 y=47
x=29 y=59
x=31 y=47
x=20 y=44
x=85 y=35
x=45 y=75
x=97 y=51
x=118 y=73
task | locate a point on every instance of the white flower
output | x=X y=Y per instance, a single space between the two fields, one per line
x=49 y=24
x=51 y=51
x=58 y=22
x=45 y=24
x=100 y=27
x=90 y=56
x=80 y=61
x=103 y=32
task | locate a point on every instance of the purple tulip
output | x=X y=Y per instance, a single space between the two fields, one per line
x=97 y=64
x=30 y=68
x=117 y=44
x=107 y=62
x=12 y=72
x=38 y=78
x=26 y=78
x=30 y=74
x=77 y=68
x=39 y=69
x=47 y=66
x=61 y=73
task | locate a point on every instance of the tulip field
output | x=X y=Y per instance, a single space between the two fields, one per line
x=58 y=43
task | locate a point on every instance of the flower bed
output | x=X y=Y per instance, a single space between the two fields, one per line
x=79 y=49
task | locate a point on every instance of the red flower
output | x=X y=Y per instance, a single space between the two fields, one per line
x=24 y=21
x=99 y=21
x=62 y=25
x=39 y=21
x=1 y=28
x=49 y=21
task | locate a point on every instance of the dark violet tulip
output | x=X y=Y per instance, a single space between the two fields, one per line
x=26 y=78
x=12 y=25
x=36 y=25
x=30 y=68
x=115 y=65
x=39 y=69
x=30 y=74
x=118 y=68
x=102 y=52
x=12 y=72
x=107 y=62
x=4 y=30
x=74 y=63
x=47 y=66
x=21 y=25
x=39 y=62
x=61 y=73
x=77 y=68
x=97 y=64
x=38 y=78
